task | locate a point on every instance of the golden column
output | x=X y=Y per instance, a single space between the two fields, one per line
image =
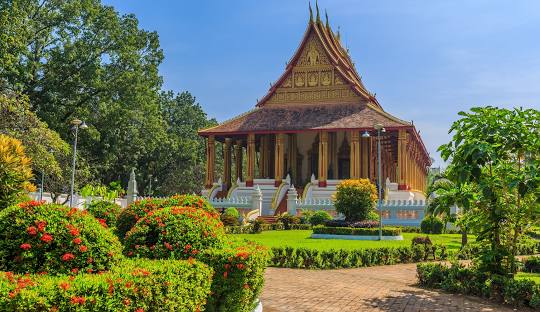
x=264 y=157
x=238 y=159
x=250 y=159
x=291 y=155
x=227 y=162
x=323 y=158
x=365 y=152
x=355 y=155
x=402 y=159
x=210 y=160
x=279 y=158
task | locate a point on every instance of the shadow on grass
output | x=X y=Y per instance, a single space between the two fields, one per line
x=432 y=300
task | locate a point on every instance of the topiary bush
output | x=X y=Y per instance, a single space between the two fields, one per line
x=174 y=232
x=15 y=171
x=129 y=216
x=319 y=217
x=105 y=212
x=230 y=217
x=141 y=285
x=37 y=237
x=355 y=199
x=432 y=225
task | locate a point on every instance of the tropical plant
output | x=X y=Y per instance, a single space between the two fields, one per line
x=355 y=199
x=432 y=225
x=15 y=171
x=319 y=217
x=497 y=151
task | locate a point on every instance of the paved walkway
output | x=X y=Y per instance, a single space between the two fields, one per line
x=383 y=288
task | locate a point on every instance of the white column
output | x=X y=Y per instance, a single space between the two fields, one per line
x=292 y=196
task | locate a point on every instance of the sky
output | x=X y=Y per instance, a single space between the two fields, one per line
x=426 y=60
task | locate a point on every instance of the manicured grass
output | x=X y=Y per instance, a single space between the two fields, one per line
x=298 y=238
x=535 y=277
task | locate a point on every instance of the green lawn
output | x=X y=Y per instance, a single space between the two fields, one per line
x=532 y=276
x=297 y=238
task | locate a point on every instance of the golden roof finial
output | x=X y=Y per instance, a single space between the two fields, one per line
x=317 y=8
x=326 y=14
x=338 y=35
x=310 y=12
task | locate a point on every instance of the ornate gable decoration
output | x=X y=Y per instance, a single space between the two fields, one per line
x=313 y=79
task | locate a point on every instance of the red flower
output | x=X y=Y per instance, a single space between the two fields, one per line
x=73 y=230
x=168 y=246
x=26 y=246
x=78 y=300
x=225 y=274
x=64 y=285
x=77 y=240
x=127 y=302
x=74 y=270
x=47 y=238
x=41 y=225
x=68 y=257
x=186 y=249
x=31 y=230
x=103 y=222
x=240 y=266
x=139 y=310
x=246 y=286
x=83 y=248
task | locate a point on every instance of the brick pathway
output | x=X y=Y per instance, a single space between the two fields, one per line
x=383 y=288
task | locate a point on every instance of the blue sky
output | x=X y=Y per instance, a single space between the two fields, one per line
x=426 y=60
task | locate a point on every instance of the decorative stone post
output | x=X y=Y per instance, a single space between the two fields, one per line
x=250 y=159
x=132 y=188
x=292 y=197
x=256 y=200
x=210 y=159
x=323 y=158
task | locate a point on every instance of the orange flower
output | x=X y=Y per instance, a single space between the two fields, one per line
x=83 y=248
x=64 y=285
x=77 y=240
x=78 y=300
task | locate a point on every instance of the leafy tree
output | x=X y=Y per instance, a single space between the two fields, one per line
x=15 y=171
x=498 y=151
x=81 y=59
x=355 y=199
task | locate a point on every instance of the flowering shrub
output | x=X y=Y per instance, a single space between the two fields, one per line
x=15 y=171
x=129 y=216
x=238 y=276
x=355 y=199
x=37 y=237
x=174 y=232
x=105 y=212
x=132 y=286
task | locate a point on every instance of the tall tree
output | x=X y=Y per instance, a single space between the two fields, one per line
x=81 y=59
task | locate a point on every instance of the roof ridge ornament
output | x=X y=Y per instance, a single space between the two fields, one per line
x=317 y=8
x=326 y=15
x=310 y=12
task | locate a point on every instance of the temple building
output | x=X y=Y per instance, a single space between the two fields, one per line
x=315 y=127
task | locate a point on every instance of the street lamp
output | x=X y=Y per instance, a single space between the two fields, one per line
x=76 y=125
x=379 y=128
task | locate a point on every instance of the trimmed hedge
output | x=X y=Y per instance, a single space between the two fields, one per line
x=289 y=257
x=239 y=276
x=106 y=212
x=52 y=238
x=525 y=247
x=386 y=231
x=469 y=281
x=531 y=265
x=140 y=285
x=249 y=229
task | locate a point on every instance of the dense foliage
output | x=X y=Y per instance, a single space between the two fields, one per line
x=174 y=233
x=289 y=257
x=129 y=216
x=432 y=225
x=15 y=171
x=500 y=170
x=105 y=212
x=239 y=276
x=532 y=265
x=36 y=237
x=256 y=228
x=355 y=199
x=287 y=220
x=139 y=285
x=230 y=217
x=352 y=224
x=471 y=281
x=319 y=217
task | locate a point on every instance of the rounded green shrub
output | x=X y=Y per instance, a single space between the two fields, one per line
x=52 y=238
x=129 y=216
x=319 y=217
x=373 y=216
x=233 y=212
x=105 y=211
x=355 y=199
x=287 y=220
x=174 y=232
x=432 y=225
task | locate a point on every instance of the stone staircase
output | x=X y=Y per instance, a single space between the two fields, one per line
x=268 y=219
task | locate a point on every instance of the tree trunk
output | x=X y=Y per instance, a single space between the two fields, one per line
x=464 y=238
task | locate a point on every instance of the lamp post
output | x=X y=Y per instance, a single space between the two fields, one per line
x=379 y=128
x=76 y=125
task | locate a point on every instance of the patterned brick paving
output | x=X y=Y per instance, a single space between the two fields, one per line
x=383 y=288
